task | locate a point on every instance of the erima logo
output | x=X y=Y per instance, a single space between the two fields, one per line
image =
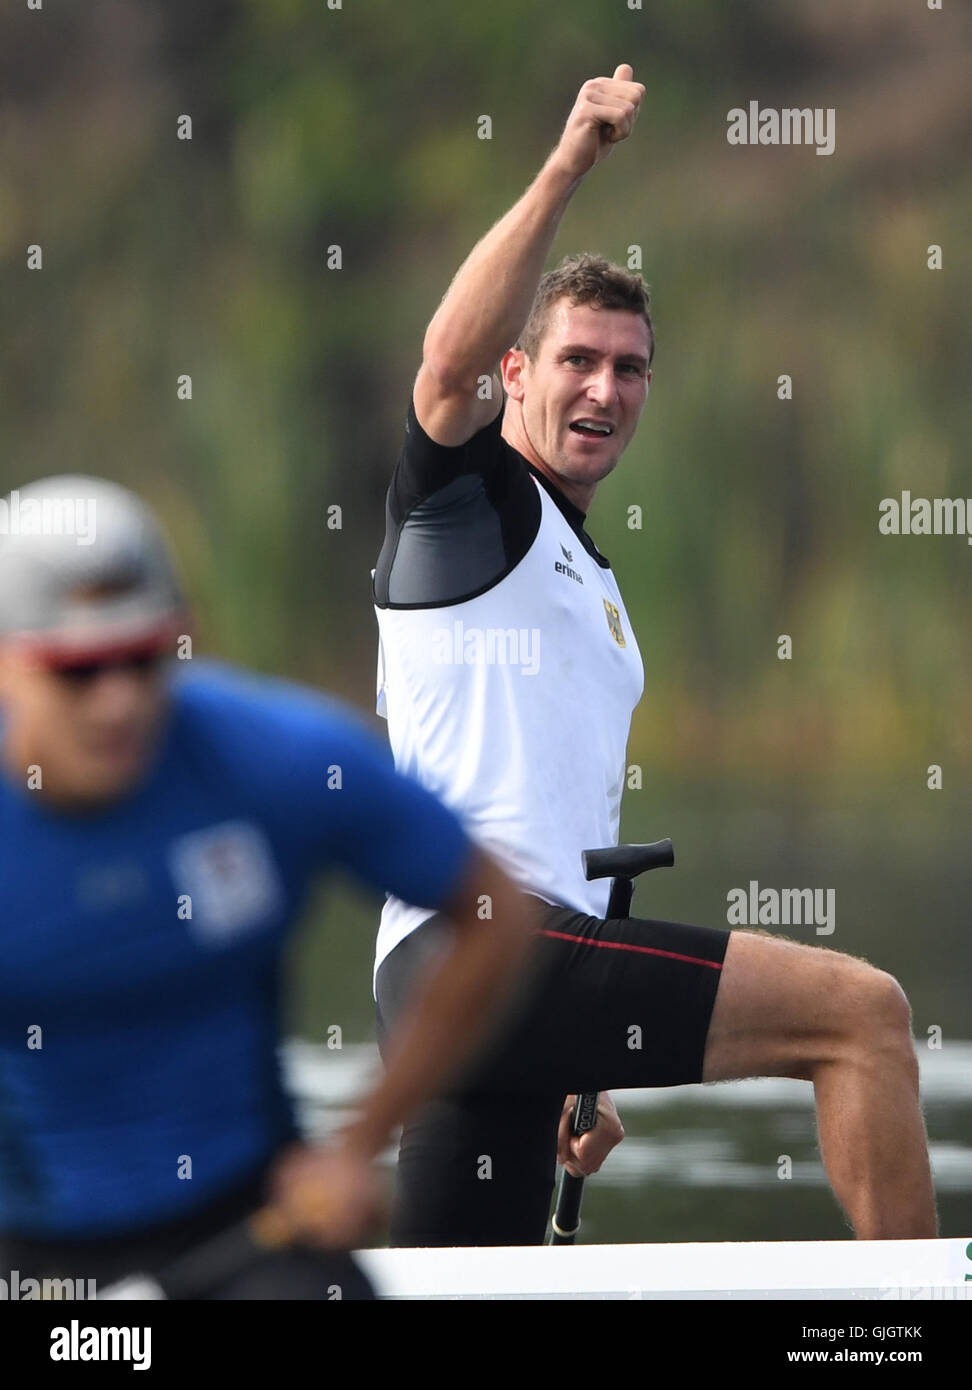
x=561 y=568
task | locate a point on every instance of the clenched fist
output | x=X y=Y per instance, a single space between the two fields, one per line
x=603 y=114
x=328 y=1197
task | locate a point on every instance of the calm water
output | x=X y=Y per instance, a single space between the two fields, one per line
x=702 y=1162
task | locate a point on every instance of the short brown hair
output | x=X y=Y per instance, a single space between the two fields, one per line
x=585 y=278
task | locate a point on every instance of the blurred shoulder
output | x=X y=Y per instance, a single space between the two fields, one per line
x=229 y=701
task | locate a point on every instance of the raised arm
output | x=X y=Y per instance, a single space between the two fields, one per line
x=489 y=301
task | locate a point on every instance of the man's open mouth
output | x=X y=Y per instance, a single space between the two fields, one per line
x=592 y=429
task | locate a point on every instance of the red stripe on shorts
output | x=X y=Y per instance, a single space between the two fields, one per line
x=624 y=946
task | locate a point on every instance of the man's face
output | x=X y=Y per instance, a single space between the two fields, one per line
x=90 y=728
x=592 y=367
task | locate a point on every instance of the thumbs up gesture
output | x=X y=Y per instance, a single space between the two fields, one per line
x=603 y=114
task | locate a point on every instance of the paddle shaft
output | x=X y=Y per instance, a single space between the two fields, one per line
x=566 y=1217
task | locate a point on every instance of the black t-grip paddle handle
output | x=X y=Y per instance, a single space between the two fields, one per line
x=627 y=861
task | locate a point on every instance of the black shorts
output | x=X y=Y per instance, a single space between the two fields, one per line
x=603 y=1005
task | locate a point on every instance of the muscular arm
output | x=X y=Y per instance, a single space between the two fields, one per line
x=490 y=298
x=329 y=1196
x=485 y=309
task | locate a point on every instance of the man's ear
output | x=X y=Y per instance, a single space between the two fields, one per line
x=512 y=365
x=648 y=377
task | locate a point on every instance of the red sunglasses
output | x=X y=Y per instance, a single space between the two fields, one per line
x=143 y=663
x=144 y=658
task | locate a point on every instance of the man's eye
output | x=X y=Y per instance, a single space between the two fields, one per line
x=576 y=358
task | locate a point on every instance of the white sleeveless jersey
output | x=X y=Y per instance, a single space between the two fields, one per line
x=514 y=708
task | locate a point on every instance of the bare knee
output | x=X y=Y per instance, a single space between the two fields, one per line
x=891 y=1022
x=873 y=1016
x=888 y=1004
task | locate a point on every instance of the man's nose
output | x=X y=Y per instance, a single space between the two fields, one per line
x=116 y=694
x=602 y=387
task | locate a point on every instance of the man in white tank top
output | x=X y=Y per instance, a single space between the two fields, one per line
x=508 y=671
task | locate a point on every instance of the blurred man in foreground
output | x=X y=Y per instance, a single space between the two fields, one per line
x=160 y=824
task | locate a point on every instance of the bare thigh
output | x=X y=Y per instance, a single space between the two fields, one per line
x=783 y=1007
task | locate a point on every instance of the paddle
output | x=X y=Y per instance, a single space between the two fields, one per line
x=204 y=1268
x=623 y=863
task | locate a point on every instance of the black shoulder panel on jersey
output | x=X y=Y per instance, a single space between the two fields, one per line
x=457 y=520
x=450 y=547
